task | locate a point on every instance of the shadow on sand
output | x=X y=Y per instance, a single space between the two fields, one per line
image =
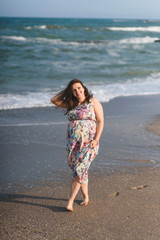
x=22 y=199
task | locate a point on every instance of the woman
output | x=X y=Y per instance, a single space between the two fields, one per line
x=85 y=114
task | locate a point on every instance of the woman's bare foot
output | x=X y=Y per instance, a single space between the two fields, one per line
x=70 y=206
x=85 y=201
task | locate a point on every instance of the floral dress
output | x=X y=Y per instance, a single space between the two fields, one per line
x=81 y=131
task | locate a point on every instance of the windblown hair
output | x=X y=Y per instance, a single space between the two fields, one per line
x=65 y=99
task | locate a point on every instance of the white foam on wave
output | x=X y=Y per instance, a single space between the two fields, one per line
x=147 y=86
x=143 y=40
x=28 y=28
x=17 y=38
x=41 y=27
x=21 y=38
x=134 y=29
x=54 y=41
x=36 y=26
x=136 y=87
x=29 y=100
x=67 y=43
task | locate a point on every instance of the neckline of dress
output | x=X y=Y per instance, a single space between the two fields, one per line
x=81 y=104
x=85 y=103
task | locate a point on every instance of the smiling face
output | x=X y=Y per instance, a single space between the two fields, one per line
x=78 y=92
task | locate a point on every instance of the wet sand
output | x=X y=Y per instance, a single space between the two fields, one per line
x=154 y=126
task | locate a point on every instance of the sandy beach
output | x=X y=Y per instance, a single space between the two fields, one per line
x=123 y=180
x=132 y=214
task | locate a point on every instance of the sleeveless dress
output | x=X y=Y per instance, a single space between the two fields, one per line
x=81 y=131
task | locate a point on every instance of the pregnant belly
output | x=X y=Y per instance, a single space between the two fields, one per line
x=82 y=130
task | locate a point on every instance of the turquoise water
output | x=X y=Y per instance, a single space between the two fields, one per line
x=113 y=57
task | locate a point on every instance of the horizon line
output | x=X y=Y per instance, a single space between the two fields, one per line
x=118 y=18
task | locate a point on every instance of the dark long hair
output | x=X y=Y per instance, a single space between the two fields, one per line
x=65 y=99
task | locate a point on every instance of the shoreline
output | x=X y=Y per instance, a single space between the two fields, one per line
x=35 y=140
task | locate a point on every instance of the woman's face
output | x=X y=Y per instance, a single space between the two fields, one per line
x=78 y=91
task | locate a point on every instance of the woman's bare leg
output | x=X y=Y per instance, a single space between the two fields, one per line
x=84 y=189
x=75 y=186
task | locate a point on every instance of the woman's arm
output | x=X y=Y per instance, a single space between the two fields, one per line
x=100 y=121
x=55 y=100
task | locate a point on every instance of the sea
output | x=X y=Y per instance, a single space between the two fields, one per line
x=112 y=57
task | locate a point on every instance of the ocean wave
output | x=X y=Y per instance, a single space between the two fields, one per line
x=147 y=86
x=28 y=100
x=17 y=38
x=77 y=42
x=46 y=27
x=143 y=40
x=30 y=39
x=41 y=27
x=135 y=87
x=93 y=29
x=134 y=29
x=28 y=28
x=49 y=40
x=138 y=40
x=36 y=26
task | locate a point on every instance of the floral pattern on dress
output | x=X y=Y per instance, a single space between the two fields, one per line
x=81 y=131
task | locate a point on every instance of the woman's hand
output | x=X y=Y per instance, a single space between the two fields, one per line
x=94 y=143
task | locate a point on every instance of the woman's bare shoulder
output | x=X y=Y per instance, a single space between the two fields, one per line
x=95 y=101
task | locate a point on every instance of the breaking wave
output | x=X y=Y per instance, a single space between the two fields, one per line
x=147 y=86
x=143 y=40
x=134 y=29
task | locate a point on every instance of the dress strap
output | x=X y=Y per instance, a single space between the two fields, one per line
x=91 y=100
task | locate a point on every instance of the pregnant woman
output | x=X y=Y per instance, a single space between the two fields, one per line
x=85 y=115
